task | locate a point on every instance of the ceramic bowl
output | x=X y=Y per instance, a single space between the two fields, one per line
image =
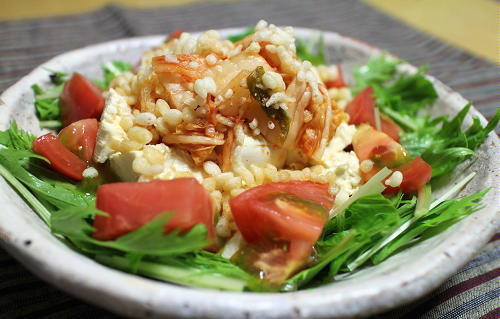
x=400 y=279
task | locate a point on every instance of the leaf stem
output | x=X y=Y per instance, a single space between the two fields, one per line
x=182 y=276
x=39 y=208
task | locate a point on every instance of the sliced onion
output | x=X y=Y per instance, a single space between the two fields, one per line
x=191 y=139
x=303 y=97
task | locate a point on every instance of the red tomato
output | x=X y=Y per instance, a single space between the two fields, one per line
x=131 y=205
x=362 y=110
x=338 y=82
x=271 y=262
x=377 y=146
x=389 y=127
x=370 y=144
x=80 y=99
x=61 y=159
x=80 y=138
x=286 y=211
x=416 y=174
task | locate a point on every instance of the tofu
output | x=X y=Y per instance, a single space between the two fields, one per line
x=134 y=166
x=110 y=132
x=254 y=150
x=345 y=165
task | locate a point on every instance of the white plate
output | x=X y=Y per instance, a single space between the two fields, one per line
x=400 y=279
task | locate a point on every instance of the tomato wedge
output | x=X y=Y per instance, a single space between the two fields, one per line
x=362 y=110
x=389 y=127
x=270 y=262
x=80 y=99
x=131 y=205
x=370 y=144
x=280 y=223
x=61 y=159
x=288 y=211
x=80 y=138
x=416 y=174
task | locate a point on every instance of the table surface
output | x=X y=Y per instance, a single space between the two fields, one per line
x=472 y=292
x=472 y=25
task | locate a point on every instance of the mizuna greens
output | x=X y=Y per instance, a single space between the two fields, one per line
x=367 y=229
x=47 y=101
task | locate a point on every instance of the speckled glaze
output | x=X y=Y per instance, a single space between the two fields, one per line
x=400 y=279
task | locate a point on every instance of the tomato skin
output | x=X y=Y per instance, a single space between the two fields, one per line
x=131 y=205
x=370 y=144
x=269 y=261
x=361 y=110
x=416 y=174
x=379 y=147
x=390 y=128
x=80 y=99
x=61 y=159
x=80 y=138
x=260 y=214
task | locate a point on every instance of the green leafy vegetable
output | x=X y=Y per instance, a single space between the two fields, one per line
x=150 y=252
x=58 y=78
x=367 y=220
x=445 y=214
x=336 y=246
x=30 y=169
x=149 y=239
x=47 y=102
x=240 y=36
x=376 y=72
x=37 y=206
x=375 y=227
x=440 y=142
x=111 y=70
x=49 y=187
x=443 y=144
x=312 y=50
x=16 y=138
x=195 y=270
x=403 y=94
x=373 y=186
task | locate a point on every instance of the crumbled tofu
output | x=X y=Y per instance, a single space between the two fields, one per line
x=110 y=131
x=366 y=166
x=253 y=124
x=252 y=150
x=343 y=137
x=345 y=165
x=90 y=172
x=140 y=165
x=395 y=179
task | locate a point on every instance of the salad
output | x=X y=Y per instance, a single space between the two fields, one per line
x=245 y=163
